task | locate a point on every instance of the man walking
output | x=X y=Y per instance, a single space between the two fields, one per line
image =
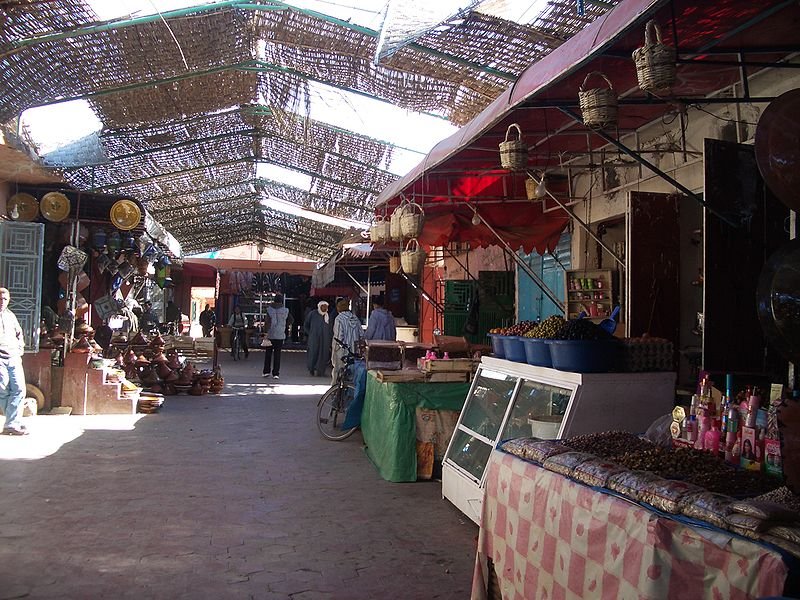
x=278 y=320
x=12 y=377
x=207 y=320
x=318 y=328
x=381 y=323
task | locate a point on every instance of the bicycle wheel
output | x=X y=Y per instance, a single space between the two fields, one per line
x=331 y=412
x=235 y=347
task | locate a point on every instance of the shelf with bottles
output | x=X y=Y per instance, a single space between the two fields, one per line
x=591 y=291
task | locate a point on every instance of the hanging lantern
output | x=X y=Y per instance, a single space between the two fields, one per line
x=114 y=241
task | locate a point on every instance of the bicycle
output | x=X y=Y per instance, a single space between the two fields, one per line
x=332 y=406
x=236 y=342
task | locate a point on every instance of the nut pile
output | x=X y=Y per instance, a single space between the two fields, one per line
x=783 y=496
x=582 y=329
x=547 y=329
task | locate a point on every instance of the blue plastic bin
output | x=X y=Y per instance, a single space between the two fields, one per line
x=514 y=348
x=497 y=345
x=537 y=352
x=585 y=356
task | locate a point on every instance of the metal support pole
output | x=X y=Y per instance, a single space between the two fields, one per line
x=423 y=293
x=643 y=161
x=582 y=224
x=525 y=267
x=355 y=281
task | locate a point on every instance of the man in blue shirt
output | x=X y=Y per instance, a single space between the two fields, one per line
x=381 y=323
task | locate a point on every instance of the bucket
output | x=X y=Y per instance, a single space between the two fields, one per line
x=537 y=352
x=497 y=345
x=513 y=348
x=545 y=427
x=585 y=356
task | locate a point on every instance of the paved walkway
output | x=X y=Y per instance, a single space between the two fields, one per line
x=230 y=496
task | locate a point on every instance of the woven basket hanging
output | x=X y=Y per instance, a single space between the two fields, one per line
x=379 y=231
x=412 y=220
x=395 y=229
x=530 y=189
x=598 y=105
x=513 y=153
x=655 y=62
x=394 y=264
x=412 y=258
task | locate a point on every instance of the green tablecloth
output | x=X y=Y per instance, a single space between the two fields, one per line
x=388 y=421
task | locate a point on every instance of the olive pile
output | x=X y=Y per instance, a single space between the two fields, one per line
x=547 y=329
x=582 y=329
x=517 y=329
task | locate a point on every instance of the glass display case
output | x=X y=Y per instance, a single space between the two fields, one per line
x=509 y=400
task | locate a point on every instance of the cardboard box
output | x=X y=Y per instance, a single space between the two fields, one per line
x=773 y=464
x=752 y=455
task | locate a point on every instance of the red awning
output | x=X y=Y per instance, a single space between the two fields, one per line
x=465 y=168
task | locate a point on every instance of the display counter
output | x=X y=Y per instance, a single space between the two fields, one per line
x=389 y=422
x=510 y=400
x=551 y=537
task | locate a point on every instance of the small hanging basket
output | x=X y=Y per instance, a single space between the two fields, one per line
x=530 y=189
x=394 y=264
x=513 y=153
x=379 y=232
x=655 y=62
x=395 y=229
x=598 y=105
x=412 y=220
x=412 y=258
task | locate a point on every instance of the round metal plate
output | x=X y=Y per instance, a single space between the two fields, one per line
x=778 y=297
x=777 y=148
x=125 y=214
x=27 y=207
x=55 y=206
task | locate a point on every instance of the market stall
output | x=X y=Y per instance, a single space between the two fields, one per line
x=544 y=535
x=405 y=421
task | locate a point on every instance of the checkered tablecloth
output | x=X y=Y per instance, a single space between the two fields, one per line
x=552 y=538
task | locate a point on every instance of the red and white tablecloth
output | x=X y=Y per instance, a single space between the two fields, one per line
x=552 y=538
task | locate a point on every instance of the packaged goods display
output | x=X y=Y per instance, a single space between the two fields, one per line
x=566 y=462
x=631 y=484
x=707 y=506
x=534 y=449
x=666 y=494
x=596 y=472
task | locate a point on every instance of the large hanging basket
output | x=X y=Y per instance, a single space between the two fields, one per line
x=394 y=264
x=379 y=231
x=598 y=105
x=412 y=220
x=513 y=152
x=655 y=62
x=412 y=258
x=395 y=228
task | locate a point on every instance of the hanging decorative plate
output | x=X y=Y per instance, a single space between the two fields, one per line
x=125 y=214
x=25 y=206
x=55 y=206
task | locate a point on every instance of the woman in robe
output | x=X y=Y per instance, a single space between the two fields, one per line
x=318 y=328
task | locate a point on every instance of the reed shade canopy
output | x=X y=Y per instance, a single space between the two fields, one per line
x=192 y=103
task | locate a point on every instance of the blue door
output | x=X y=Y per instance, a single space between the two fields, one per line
x=532 y=303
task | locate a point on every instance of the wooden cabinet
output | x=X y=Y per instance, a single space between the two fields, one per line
x=593 y=291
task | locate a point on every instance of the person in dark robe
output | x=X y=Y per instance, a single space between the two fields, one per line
x=318 y=328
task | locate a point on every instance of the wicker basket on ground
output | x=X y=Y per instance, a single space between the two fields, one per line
x=412 y=258
x=513 y=153
x=655 y=62
x=598 y=105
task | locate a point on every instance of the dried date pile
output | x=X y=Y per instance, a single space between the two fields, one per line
x=608 y=444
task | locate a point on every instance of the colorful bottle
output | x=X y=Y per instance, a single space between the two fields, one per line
x=712 y=440
x=753 y=404
x=691 y=428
